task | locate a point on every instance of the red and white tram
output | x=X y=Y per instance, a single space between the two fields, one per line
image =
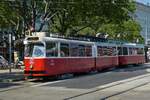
x=52 y=56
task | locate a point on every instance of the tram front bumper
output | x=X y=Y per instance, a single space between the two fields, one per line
x=35 y=73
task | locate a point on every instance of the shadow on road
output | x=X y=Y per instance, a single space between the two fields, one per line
x=7 y=85
x=131 y=68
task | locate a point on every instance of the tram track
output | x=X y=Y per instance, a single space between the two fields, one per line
x=113 y=85
x=121 y=92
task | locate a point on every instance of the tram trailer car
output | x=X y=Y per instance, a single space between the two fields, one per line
x=51 y=56
x=131 y=53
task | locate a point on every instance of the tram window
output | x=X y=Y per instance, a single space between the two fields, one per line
x=105 y=51
x=35 y=50
x=140 y=51
x=119 y=51
x=134 y=51
x=88 y=51
x=110 y=51
x=51 y=49
x=100 y=51
x=29 y=50
x=74 y=50
x=125 y=51
x=81 y=50
x=38 y=51
x=64 y=50
x=131 y=52
x=114 y=51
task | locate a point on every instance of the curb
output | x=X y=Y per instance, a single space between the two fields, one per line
x=12 y=80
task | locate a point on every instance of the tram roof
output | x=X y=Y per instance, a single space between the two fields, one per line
x=47 y=39
x=105 y=44
x=86 y=40
x=133 y=45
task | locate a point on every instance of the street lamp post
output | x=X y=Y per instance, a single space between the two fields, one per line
x=10 y=52
x=146 y=35
x=147 y=27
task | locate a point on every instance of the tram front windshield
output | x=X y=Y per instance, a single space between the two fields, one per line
x=35 y=50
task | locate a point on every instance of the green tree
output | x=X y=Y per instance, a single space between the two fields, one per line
x=127 y=31
x=131 y=30
x=95 y=13
x=110 y=11
x=8 y=16
x=68 y=17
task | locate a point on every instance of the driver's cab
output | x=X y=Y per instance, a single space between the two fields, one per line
x=35 y=49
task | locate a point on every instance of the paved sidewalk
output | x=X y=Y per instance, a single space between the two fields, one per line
x=15 y=75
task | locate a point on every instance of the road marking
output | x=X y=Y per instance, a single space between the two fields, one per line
x=48 y=83
x=148 y=70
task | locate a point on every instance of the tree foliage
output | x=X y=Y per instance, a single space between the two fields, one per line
x=71 y=17
x=8 y=15
x=81 y=14
x=127 y=31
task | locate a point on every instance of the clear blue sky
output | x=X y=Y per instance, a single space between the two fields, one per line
x=144 y=1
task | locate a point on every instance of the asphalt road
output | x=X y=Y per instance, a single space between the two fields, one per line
x=94 y=80
x=65 y=88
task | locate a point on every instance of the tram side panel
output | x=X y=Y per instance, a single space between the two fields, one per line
x=106 y=62
x=78 y=65
x=136 y=59
x=56 y=66
x=106 y=57
x=131 y=54
x=59 y=66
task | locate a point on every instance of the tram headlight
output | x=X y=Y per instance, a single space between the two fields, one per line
x=31 y=67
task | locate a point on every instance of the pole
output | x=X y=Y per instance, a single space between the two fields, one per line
x=10 y=53
x=24 y=17
x=146 y=30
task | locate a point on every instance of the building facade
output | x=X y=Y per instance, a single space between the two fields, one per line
x=142 y=15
